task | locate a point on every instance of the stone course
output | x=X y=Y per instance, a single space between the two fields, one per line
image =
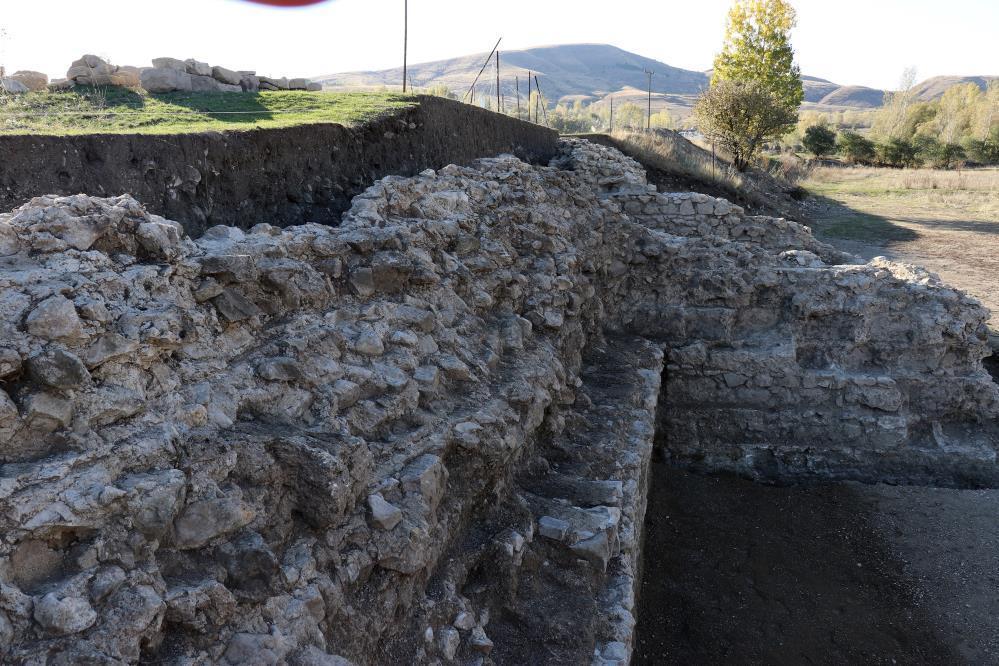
x=423 y=436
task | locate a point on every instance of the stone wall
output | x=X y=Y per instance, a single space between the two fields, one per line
x=284 y=176
x=786 y=361
x=424 y=436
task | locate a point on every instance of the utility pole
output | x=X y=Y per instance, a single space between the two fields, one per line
x=528 y=95
x=541 y=101
x=499 y=105
x=650 y=73
x=516 y=83
x=405 y=41
x=471 y=91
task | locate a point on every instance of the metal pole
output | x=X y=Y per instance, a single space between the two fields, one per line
x=650 y=73
x=612 y=115
x=528 y=95
x=712 y=160
x=405 y=41
x=541 y=101
x=484 y=65
x=516 y=83
x=499 y=105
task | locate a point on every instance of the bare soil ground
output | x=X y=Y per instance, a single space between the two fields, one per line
x=946 y=221
x=741 y=573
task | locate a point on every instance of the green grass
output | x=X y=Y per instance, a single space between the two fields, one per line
x=86 y=110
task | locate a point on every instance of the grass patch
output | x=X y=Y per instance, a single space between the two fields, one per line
x=966 y=195
x=674 y=154
x=87 y=110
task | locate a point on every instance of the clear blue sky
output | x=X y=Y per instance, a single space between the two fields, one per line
x=863 y=42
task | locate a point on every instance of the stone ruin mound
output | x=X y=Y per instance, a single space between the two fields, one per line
x=424 y=436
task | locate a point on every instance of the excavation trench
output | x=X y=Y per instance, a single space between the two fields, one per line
x=812 y=570
x=424 y=436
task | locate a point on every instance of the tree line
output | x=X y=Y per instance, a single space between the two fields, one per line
x=960 y=127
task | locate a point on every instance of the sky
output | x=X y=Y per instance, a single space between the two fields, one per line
x=855 y=42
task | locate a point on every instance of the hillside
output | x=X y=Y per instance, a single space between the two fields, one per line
x=594 y=72
x=580 y=72
x=590 y=70
x=934 y=87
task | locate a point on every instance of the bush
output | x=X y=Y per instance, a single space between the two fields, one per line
x=898 y=153
x=742 y=117
x=856 y=148
x=984 y=151
x=819 y=140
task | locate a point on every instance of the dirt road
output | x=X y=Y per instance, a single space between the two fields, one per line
x=945 y=221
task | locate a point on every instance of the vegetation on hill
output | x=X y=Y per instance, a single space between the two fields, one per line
x=86 y=110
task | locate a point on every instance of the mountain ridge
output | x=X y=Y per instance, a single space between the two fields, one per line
x=593 y=72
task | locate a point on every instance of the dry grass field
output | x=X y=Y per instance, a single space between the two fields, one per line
x=946 y=221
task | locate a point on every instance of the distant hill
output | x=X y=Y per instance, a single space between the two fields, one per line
x=857 y=97
x=933 y=88
x=596 y=73
x=591 y=70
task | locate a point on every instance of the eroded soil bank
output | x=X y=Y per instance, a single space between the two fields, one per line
x=742 y=573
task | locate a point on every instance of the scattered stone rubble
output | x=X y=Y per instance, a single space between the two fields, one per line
x=166 y=75
x=423 y=436
x=24 y=81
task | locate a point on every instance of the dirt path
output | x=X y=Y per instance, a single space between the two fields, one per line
x=741 y=573
x=945 y=221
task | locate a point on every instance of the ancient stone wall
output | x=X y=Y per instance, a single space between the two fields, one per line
x=423 y=436
x=785 y=360
x=284 y=176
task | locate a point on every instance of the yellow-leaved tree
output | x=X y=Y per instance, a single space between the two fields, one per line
x=758 y=48
x=756 y=87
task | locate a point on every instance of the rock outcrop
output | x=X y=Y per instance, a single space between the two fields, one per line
x=166 y=75
x=423 y=436
x=171 y=74
x=33 y=81
x=91 y=70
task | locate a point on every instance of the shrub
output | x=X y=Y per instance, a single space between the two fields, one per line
x=856 y=149
x=819 y=140
x=984 y=151
x=898 y=153
x=742 y=116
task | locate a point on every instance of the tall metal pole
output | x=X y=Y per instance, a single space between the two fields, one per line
x=484 y=65
x=405 y=41
x=499 y=106
x=516 y=83
x=650 y=73
x=528 y=95
x=541 y=101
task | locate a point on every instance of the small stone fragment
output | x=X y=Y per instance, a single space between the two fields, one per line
x=58 y=368
x=383 y=514
x=552 y=528
x=55 y=318
x=200 y=522
x=64 y=616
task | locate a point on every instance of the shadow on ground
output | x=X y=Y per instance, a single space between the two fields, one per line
x=833 y=220
x=741 y=573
